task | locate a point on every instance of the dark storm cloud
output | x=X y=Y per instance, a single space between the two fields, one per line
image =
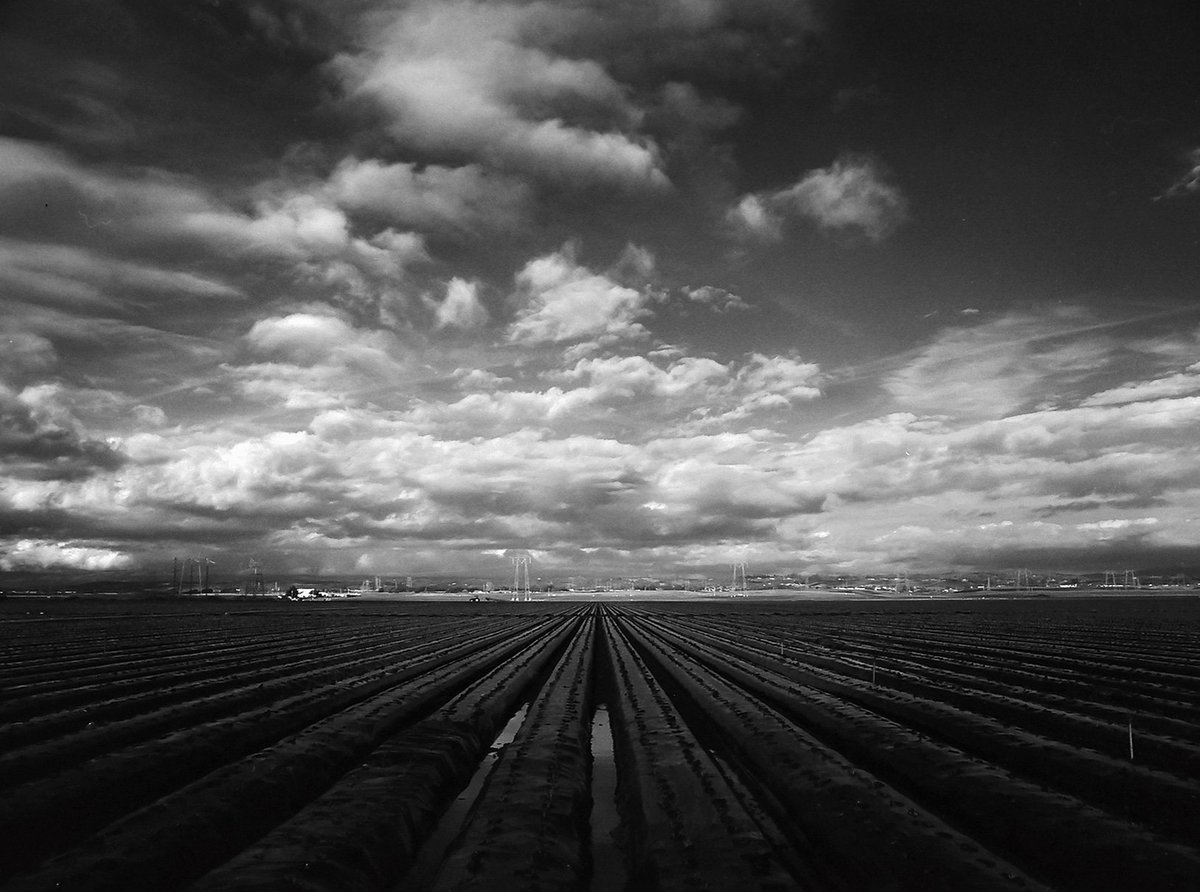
x=35 y=449
x=1138 y=502
x=146 y=530
x=43 y=523
x=564 y=500
x=1130 y=479
x=1131 y=553
x=204 y=83
x=713 y=43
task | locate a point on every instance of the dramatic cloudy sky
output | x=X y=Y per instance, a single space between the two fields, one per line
x=391 y=287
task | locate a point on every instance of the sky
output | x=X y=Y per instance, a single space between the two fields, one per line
x=370 y=287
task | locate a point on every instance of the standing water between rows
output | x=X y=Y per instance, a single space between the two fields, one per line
x=608 y=860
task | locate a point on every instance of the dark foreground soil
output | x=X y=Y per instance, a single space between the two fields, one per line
x=868 y=745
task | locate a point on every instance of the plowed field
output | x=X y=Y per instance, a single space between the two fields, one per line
x=902 y=745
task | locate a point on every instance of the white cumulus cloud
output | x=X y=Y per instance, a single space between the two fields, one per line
x=468 y=79
x=37 y=554
x=430 y=197
x=852 y=194
x=461 y=307
x=301 y=337
x=563 y=301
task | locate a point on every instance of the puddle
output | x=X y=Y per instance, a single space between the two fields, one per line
x=506 y=736
x=608 y=859
x=429 y=859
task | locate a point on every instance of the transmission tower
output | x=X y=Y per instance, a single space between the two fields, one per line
x=257 y=585
x=208 y=565
x=187 y=577
x=739 y=578
x=520 y=564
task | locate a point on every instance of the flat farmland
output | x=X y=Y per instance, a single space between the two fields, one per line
x=600 y=745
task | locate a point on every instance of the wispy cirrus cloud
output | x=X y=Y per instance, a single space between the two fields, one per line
x=82 y=278
x=998 y=366
x=1189 y=183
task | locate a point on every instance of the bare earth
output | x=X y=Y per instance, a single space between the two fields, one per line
x=757 y=743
